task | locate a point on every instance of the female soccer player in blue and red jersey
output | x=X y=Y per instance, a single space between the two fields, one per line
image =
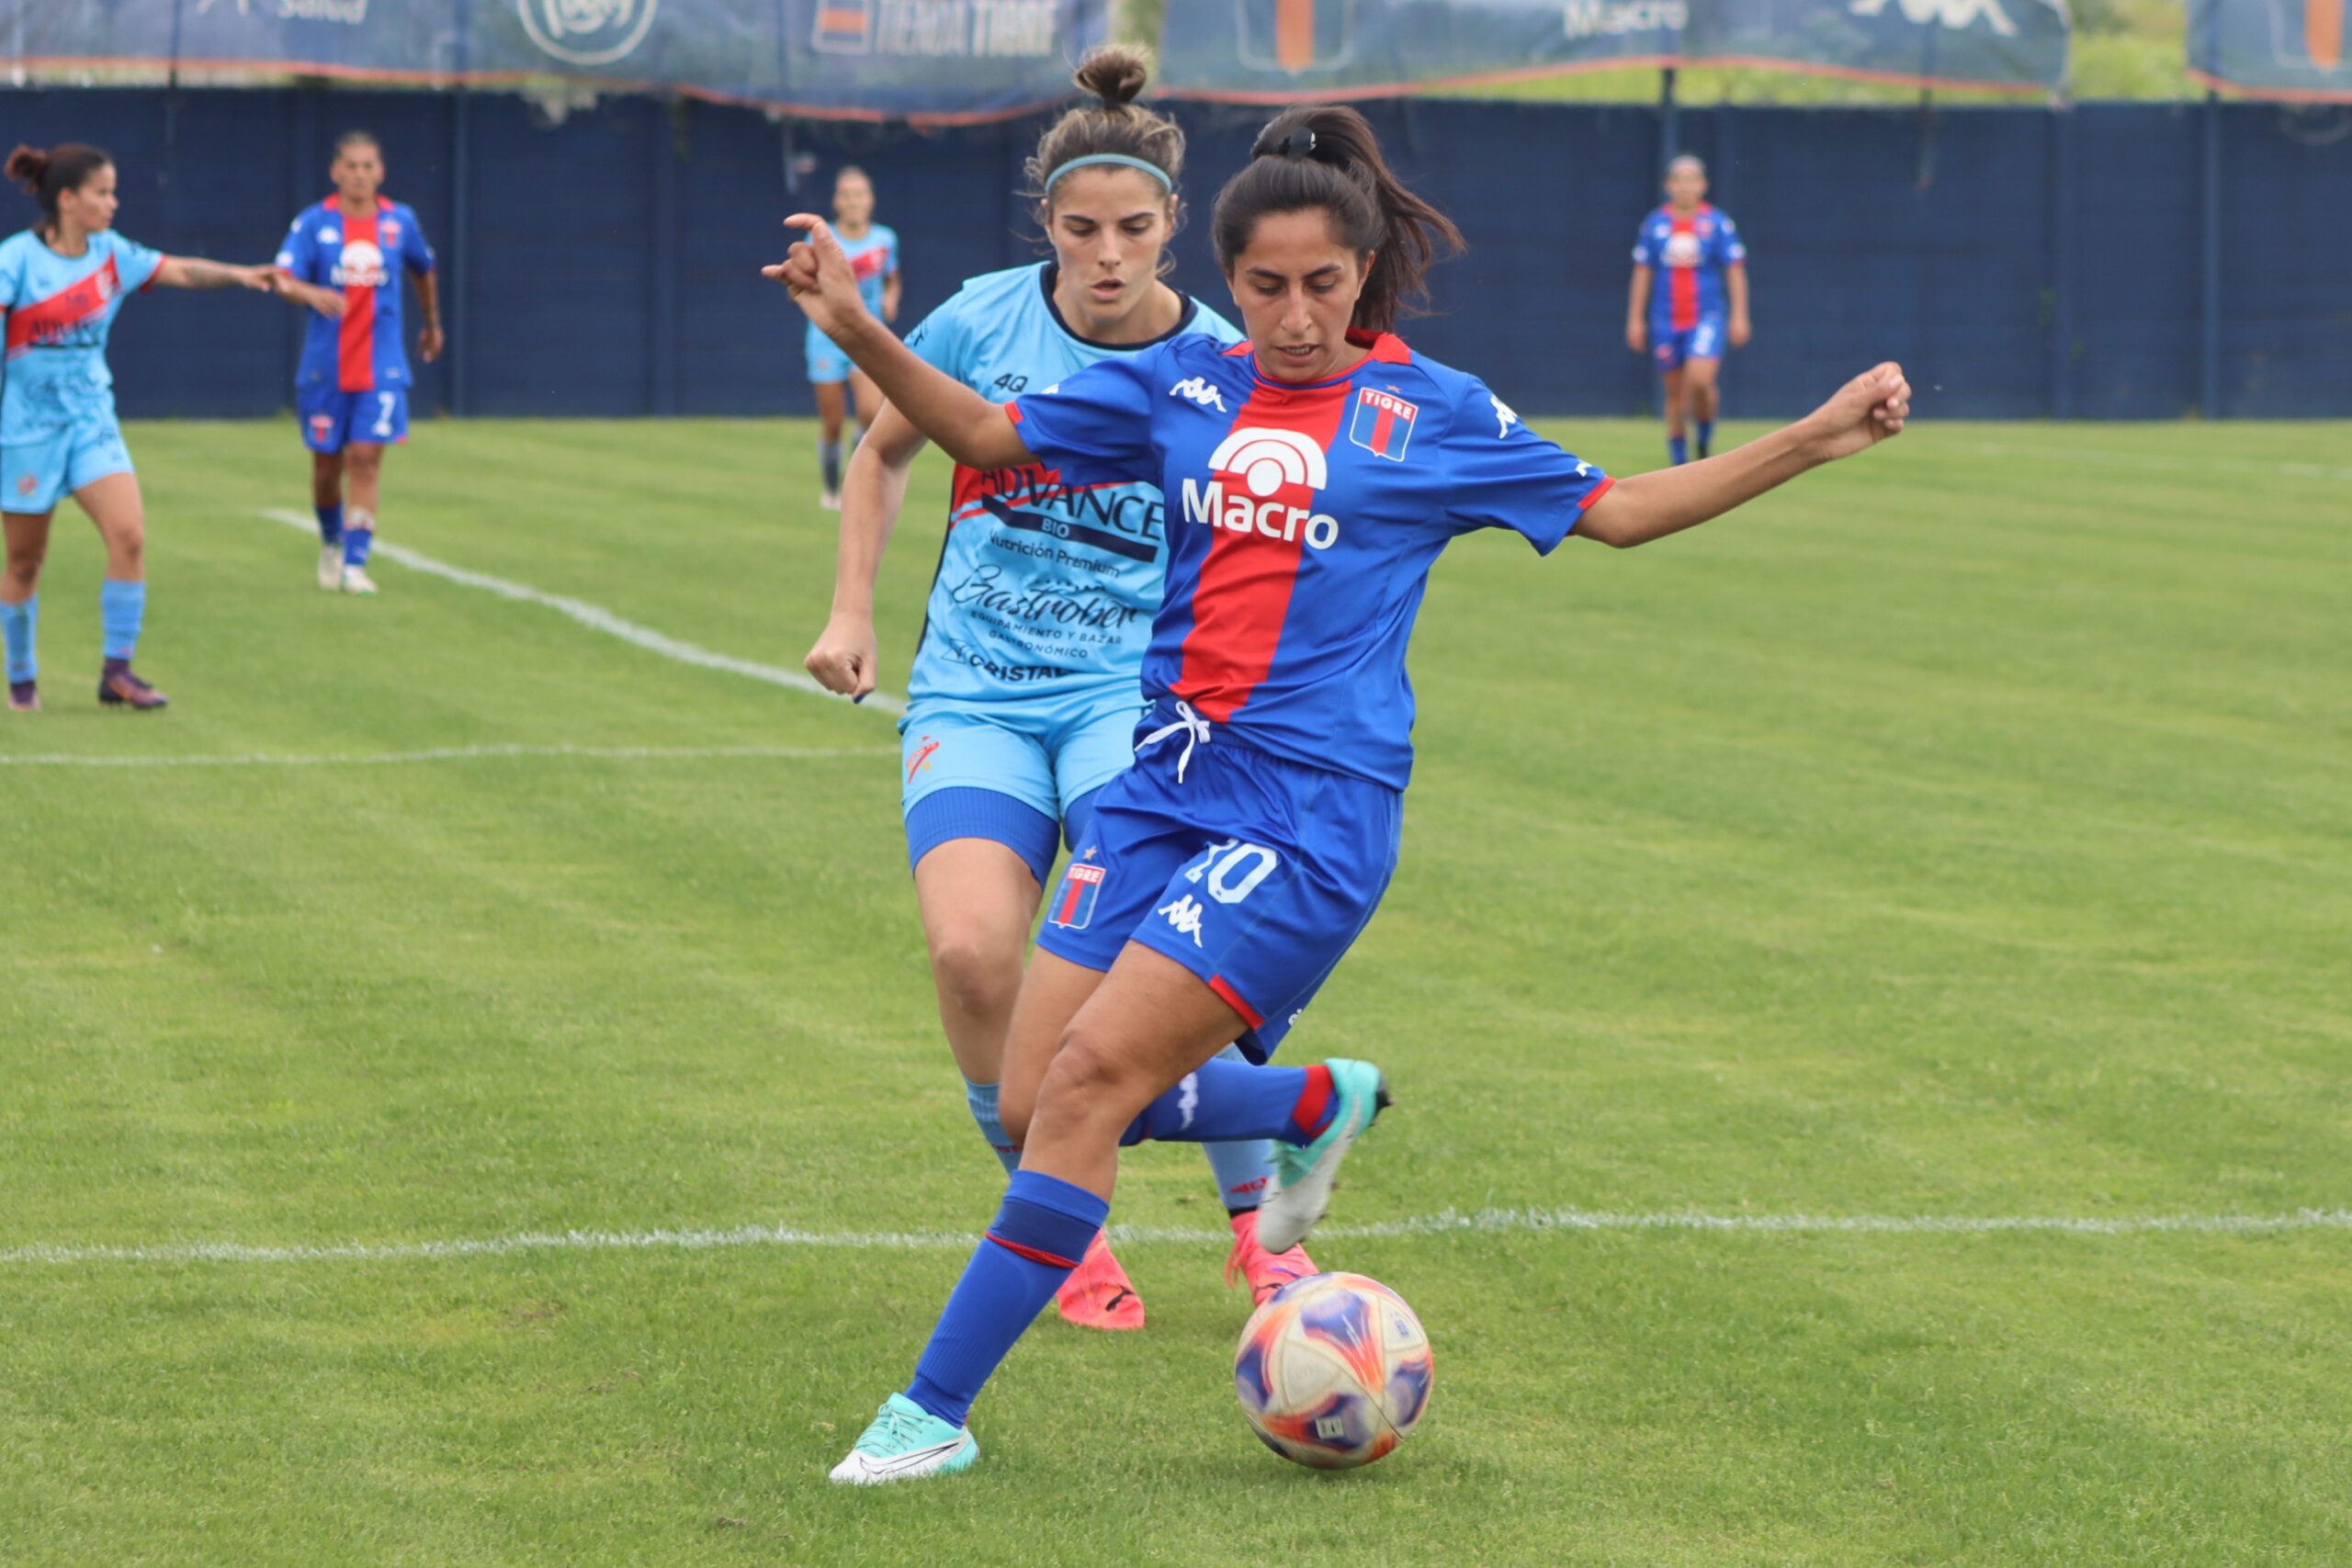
x=1701 y=310
x=1229 y=869
x=1027 y=684
x=62 y=284
x=841 y=388
x=348 y=256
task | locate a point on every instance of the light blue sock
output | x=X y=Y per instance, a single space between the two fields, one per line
x=122 y=606
x=982 y=1097
x=1241 y=1168
x=18 y=623
x=358 y=536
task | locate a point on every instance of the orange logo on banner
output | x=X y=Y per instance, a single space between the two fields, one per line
x=2324 y=32
x=1295 y=33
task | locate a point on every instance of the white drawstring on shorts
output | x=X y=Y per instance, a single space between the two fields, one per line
x=1190 y=725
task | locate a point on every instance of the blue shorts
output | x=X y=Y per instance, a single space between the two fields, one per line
x=1704 y=341
x=827 y=365
x=36 y=475
x=1253 y=871
x=333 y=419
x=1012 y=772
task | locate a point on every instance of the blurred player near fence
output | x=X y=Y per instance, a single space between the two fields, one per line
x=873 y=250
x=344 y=257
x=1701 y=310
x=62 y=284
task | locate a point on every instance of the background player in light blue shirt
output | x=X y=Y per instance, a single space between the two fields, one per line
x=62 y=284
x=1025 y=687
x=873 y=250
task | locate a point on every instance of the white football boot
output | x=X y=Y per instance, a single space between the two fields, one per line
x=331 y=567
x=1299 y=1187
x=906 y=1442
x=356 y=581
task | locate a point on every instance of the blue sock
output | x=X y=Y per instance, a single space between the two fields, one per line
x=1044 y=1228
x=1679 y=448
x=18 y=623
x=330 y=522
x=1706 y=436
x=358 y=537
x=1241 y=1168
x=829 y=459
x=121 y=607
x=982 y=1097
x=1227 y=1101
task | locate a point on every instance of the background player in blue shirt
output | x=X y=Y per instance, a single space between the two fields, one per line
x=346 y=258
x=62 y=284
x=873 y=250
x=1026 y=683
x=1236 y=862
x=1701 y=307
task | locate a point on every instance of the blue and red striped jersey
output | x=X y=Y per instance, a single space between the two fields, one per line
x=1694 y=250
x=59 y=310
x=363 y=351
x=1303 y=520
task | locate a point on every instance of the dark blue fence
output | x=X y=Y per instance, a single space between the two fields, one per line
x=2116 y=261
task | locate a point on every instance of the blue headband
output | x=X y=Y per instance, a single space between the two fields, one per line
x=1154 y=170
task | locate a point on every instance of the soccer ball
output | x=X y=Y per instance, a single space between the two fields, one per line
x=1333 y=1372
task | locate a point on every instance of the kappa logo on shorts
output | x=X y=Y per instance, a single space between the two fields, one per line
x=1074 y=904
x=1185 y=915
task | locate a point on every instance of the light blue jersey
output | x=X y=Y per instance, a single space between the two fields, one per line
x=58 y=312
x=1045 y=590
x=874 y=257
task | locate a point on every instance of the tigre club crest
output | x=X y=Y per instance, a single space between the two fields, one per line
x=587 y=32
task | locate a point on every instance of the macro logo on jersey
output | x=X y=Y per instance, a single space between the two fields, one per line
x=361 y=265
x=586 y=33
x=54 y=322
x=1074 y=904
x=1258 y=470
x=1681 y=249
x=1383 y=422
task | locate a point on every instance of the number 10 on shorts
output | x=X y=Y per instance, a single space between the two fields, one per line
x=1233 y=869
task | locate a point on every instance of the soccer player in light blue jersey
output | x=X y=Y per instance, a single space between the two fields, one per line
x=1313 y=475
x=1025 y=685
x=843 y=389
x=62 y=284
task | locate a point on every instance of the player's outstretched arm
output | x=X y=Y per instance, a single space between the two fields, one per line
x=847 y=657
x=1866 y=411
x=969 y=428
x=327 y=303
x=194 y=272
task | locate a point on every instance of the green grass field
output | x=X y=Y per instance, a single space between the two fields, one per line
x=1963 y=837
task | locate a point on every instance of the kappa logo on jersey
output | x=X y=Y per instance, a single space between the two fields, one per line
x=1199 y=391
x=1504 y=418
x=361 y=265
x=1074 y=904
x=1184 y=914
x=1383 y=422
x=1253 y=468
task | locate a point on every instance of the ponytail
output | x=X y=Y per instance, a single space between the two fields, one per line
x=1326 y=157
x=49 y=175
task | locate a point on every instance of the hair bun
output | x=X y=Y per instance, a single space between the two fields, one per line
x=1117 y=73
x=26 y=165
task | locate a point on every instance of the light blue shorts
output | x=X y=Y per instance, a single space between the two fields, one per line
x=36 y=475
x=1045 y=757
x=827 y=365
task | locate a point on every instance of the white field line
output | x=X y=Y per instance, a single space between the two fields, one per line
x=453 y=754
x=2173 y=460
x=598 y=618
x=1447 y=1222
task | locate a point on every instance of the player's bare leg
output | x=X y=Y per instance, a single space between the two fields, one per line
x=1098 y=1293
x=832 y=409
x=363 y=469
x=120 y=513
x=326 y=498
x=27 y=537
x=1676 y=404
x=865 y=399
x=1703 y=394
x=978 y=900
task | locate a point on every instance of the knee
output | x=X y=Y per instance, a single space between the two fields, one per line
x=25 y=558
x=1091 y=1076
x=364 y=464
x=128 y=545
x=974 y=973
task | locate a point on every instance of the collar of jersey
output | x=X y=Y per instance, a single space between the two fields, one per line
x=1048 y=271
x=1386 y=348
